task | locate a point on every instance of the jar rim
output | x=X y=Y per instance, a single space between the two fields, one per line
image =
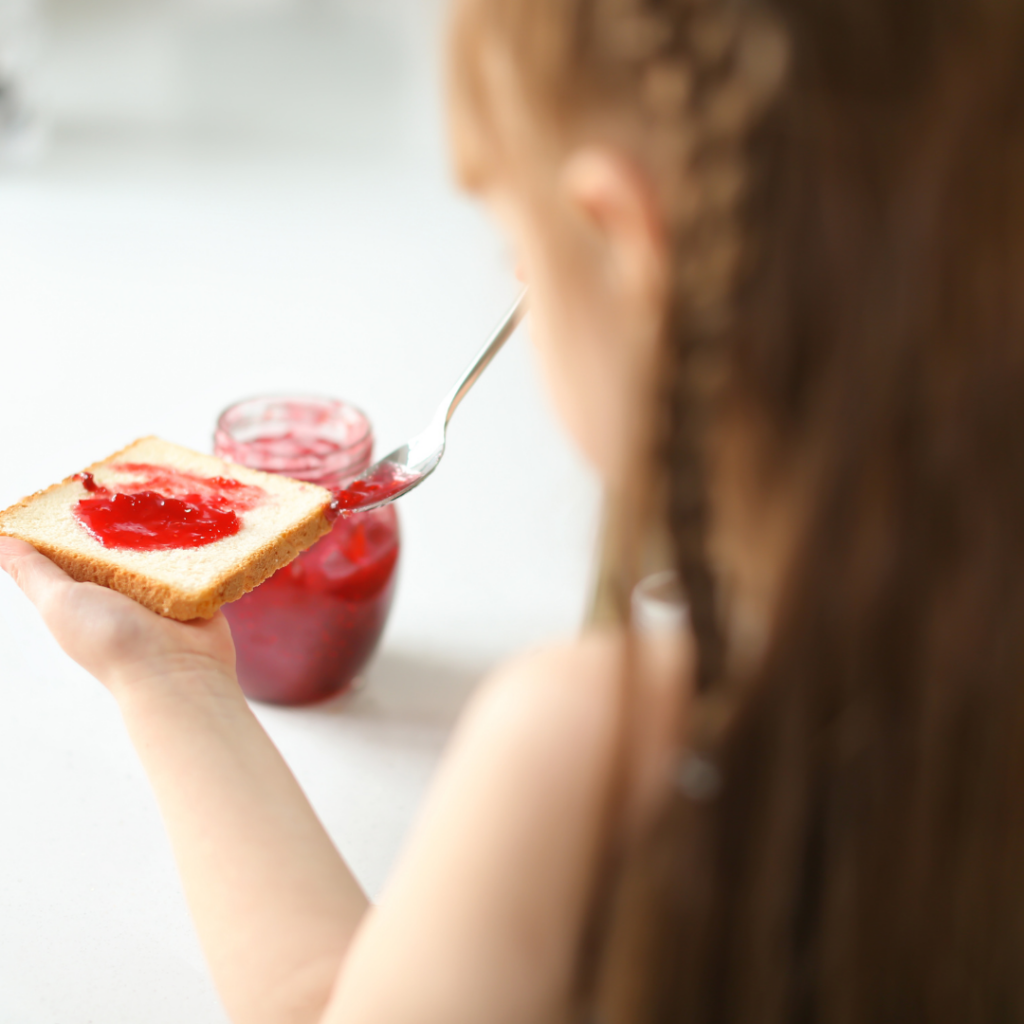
x=352 y=444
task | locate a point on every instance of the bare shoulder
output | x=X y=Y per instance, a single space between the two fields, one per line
x=594 y=655
x=560 y=702
x=558 y=714
x=532 y=755
x=483 y=916
x=483 y=913
x=578 y=689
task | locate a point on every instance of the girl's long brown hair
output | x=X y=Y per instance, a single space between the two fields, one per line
x=854 y=284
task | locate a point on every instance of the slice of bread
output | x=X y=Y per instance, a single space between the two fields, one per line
x=181 y=583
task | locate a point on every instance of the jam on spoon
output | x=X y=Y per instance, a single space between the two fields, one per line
x=409 y=465
x=386 y=481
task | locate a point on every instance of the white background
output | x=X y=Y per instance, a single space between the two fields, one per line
x=239 y=198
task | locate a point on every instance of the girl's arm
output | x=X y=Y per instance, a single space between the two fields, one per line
x=482 y=921
x=273 y=902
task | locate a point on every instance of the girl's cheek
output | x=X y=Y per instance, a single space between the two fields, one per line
x=567 y=375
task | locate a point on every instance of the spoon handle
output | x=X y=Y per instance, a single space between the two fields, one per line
x=505 y=331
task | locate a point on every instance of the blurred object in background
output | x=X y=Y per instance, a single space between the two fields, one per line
x=21 y=126
x=659 y=604
x=242 y=79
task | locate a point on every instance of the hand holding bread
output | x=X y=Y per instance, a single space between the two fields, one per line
x=114 y=638
x=160 y=529
x=179 y=532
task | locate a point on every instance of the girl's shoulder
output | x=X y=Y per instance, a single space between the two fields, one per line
x=560 y=713
x=483 y=917
x=567 y=689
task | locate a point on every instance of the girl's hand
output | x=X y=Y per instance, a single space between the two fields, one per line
x=112 y=637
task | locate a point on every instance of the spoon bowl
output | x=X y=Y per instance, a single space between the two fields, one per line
x=409 y=465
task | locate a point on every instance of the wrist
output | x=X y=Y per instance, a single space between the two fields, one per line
x=182 y=682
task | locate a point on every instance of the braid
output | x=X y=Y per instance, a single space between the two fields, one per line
x=703 y=72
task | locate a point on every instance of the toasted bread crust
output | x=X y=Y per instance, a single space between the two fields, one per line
x=167 y=600
x=164 y=598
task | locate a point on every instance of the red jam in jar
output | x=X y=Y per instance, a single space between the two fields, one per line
x=306 y=633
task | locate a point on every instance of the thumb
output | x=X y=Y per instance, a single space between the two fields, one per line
x=34 y=573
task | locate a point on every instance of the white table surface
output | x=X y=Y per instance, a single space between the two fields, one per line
x=153 y=271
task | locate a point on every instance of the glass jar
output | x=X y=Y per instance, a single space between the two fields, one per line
x=305 y=634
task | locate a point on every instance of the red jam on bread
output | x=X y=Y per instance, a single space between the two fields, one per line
x=163 y=508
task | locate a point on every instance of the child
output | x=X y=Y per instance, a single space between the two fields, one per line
x=776 y=259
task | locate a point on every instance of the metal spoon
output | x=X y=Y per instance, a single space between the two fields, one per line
x=408 y=466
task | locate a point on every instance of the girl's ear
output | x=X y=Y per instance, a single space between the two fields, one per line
x=618 y=203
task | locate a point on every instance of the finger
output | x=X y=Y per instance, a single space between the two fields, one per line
x=34 y=573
